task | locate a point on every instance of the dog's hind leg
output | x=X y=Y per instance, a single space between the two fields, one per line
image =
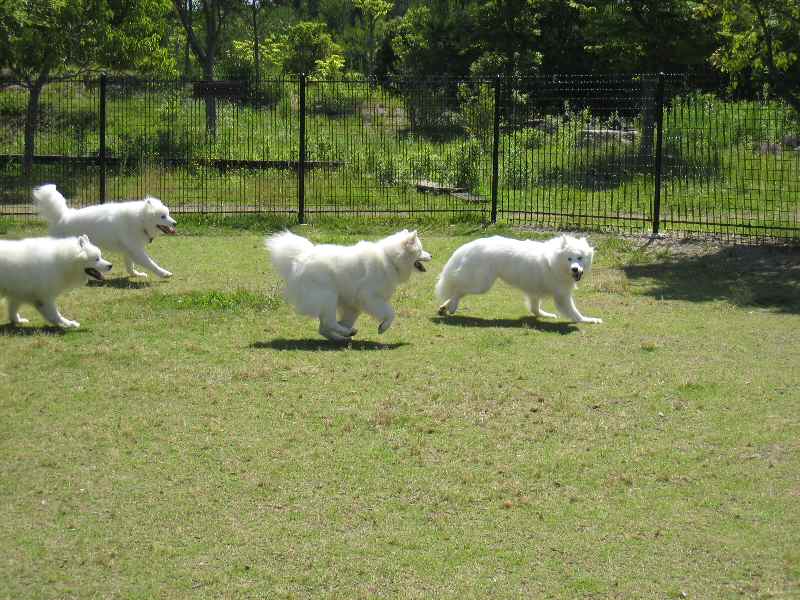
x=13 y=313
x=534 y=304
x=140 y=257
x=50 y=312
x=566 y=306
x=131 y=268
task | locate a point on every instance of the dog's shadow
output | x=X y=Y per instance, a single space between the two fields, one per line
x=8 y=330
x=527 y=322
x=121 y=283
x=324 y=345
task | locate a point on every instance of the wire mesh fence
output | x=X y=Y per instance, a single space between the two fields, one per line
x=631 y=153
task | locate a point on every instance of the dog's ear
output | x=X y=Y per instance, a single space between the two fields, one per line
x=563 y=240
x=83 y=241
x=411 y=238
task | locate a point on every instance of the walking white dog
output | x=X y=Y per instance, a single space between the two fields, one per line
x=325 y=279
x=36 y=270
x=124 y=227
x=539 y=269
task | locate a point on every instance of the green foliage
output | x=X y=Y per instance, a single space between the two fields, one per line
x=760 y=40
x=307 y=43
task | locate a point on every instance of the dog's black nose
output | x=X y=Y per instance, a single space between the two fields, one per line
x=110 y=266
x=574 y=269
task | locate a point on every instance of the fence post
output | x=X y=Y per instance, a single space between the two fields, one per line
x=301 y=165
x=102 y=157
x=658 y=158
x=496 y=147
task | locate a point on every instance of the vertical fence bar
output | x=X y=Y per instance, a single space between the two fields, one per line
x=301 y=165
x=496 y=148
x=658 y=158
x=102 y=156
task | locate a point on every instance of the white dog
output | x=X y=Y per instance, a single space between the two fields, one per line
x=325 y=279
x=36 y=270
x=539 y=269
x=124 y=227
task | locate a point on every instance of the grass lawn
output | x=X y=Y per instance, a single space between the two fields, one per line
x=197 y=439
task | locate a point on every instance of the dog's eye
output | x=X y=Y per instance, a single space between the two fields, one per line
x=163 y=216
x=580 y=258
x=97 y=259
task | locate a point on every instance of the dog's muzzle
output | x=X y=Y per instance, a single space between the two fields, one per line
x=577 y=273
x=166 y=229
x=419 y=266
x=94 y=274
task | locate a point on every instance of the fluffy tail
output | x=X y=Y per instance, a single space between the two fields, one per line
x=50 y=203
x=443 y=291
x=284 y=248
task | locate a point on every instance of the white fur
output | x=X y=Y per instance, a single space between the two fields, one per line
x=335 y=284
x=124 y=227
x=36 y=270
x=539 y=269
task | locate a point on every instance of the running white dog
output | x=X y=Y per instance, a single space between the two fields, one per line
x=325 y=279
x=36 y=270
x=539 y=269
x=124 y=227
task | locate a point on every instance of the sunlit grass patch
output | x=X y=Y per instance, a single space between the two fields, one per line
x=235 y=301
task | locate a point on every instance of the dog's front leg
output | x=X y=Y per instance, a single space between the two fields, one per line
x=131 y=268
x=140 y=257
x=50 y=312
x=380 y=309
x=13 y=313
x=347 y=318
x=566 y=306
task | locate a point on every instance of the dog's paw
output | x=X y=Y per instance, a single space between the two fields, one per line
x=138 y=274
x=442 y=312
x=165 y=274
x=67 y=324
x=592 y=320
x=20 y=321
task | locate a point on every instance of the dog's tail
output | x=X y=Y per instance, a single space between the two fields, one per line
x=49 y=202
x=284 y=248
x=443 y=291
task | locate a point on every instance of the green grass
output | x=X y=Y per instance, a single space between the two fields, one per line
x=196 y=438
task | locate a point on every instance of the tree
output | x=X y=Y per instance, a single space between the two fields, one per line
x=760 y=40
x=205 y=40
x=507 y=37
x=646 y=35
x=41 y=39
x=373 y=12
x=307 y=43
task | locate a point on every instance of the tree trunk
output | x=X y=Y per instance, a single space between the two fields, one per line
x=210 y=100
x=31 y=125
x=256 y=55
x=648 y=121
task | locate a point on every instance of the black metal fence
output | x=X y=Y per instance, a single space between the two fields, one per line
x=634 y=153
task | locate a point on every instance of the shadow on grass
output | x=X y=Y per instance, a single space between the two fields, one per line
x=324 y=345
x=25 y=330
x=764 y=277
x=527 y=322
x=121 y=283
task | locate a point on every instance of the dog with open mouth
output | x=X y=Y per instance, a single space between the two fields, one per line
x=124 y=227
x=37 y=270
x=335 y=284
x=551 y=268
